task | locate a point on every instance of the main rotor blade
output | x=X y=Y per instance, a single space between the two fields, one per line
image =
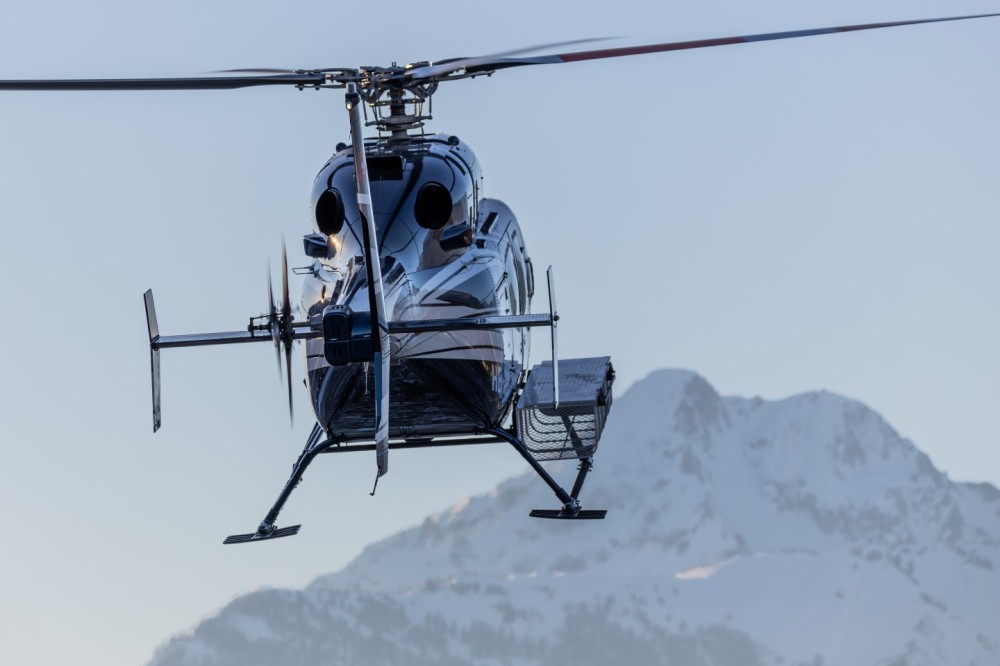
x=376 y=299
x=442 y=67
x=194 y=83
x=493 y=64
x=258 y=70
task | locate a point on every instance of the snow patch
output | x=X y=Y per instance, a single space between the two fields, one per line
x=703 y=572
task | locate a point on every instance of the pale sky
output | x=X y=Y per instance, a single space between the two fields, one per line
x=808 y=214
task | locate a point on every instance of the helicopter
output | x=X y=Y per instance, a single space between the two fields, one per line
x=416 y=306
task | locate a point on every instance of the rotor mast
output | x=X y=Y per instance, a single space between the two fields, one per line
x=397 y=100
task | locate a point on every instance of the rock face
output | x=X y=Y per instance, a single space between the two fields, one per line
x=740 y=531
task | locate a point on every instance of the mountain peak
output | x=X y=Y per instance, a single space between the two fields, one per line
x=668 y=401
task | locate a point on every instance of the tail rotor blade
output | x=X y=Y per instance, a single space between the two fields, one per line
x=272 y=320
x=286 y=303
x=288 y=369
x=286 y=327
x=280 y=325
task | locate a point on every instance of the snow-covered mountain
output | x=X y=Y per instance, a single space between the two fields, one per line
x=740 y=531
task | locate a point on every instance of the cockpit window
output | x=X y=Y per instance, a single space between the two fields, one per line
x=385 y=167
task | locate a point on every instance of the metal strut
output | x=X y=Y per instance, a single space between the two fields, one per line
x=571 y=505
x=516 y=442
x=586 y=464
x=317 y=443
x=267 y=530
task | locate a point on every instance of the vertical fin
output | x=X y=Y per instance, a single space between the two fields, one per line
x=154 y=355
x=154 y=368
x=554 y=316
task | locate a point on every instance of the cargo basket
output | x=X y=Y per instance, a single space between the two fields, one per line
x=573 y=429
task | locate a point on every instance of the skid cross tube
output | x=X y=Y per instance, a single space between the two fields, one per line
x=339 y=447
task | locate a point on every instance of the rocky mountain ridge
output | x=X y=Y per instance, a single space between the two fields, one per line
x=740 y=531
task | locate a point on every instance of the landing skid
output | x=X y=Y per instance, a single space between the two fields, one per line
x=260 y=535
x=563 y=514
x=317 y=444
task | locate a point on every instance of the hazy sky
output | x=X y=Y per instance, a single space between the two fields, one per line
x=780 y=217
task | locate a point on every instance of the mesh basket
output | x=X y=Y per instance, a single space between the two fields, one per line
x=573 y=429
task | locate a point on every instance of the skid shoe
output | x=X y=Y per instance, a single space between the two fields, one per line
x=263 y=532
x=570 y=513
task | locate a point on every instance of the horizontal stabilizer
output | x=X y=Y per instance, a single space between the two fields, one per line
x=582 y=514
x=204 y=339
x=257 y=536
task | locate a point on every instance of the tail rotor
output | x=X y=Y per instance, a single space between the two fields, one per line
x=281 y=326
x=287 y=329
x=272 y=321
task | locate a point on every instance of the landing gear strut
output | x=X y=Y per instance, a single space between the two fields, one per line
x=317 y=444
